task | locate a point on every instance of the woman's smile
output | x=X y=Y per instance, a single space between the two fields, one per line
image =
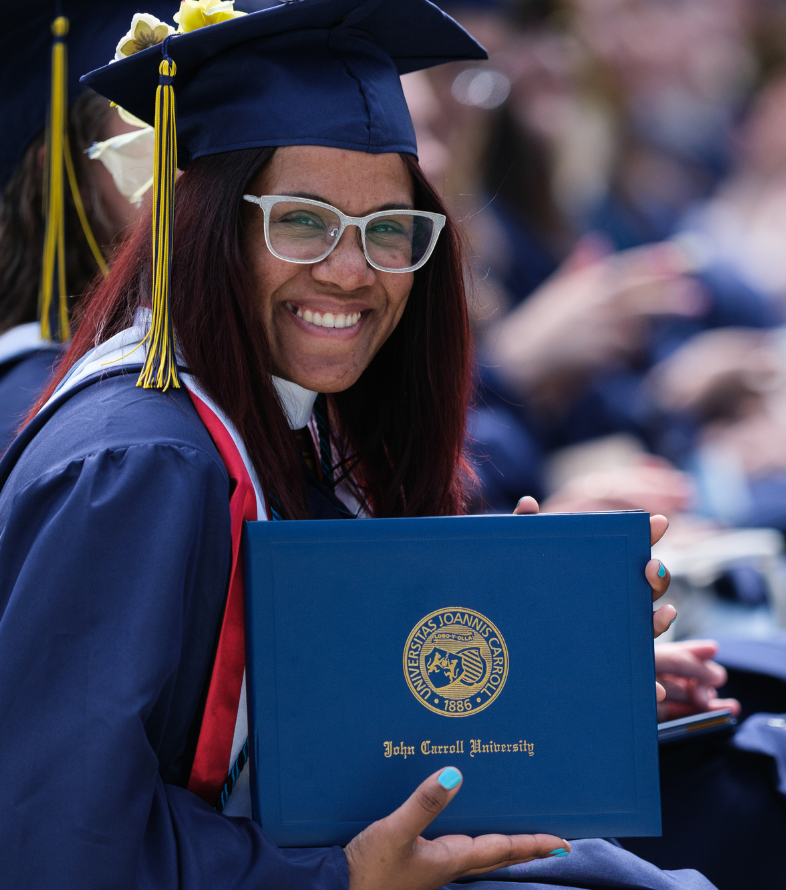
x=326 y=319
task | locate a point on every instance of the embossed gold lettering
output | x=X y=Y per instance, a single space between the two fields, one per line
x=479 y=746
x=400 y=750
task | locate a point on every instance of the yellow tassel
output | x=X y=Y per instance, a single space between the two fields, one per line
x=54 y=230
x=160 y=368
x=58 y=153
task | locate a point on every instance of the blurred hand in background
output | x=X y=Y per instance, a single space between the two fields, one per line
x=593 y=313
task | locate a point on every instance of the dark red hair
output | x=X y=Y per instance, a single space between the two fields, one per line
x=400 y=428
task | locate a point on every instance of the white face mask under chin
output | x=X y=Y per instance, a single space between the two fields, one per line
x=129 y=158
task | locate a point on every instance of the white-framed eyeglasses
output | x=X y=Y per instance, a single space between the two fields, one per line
x=299 y=230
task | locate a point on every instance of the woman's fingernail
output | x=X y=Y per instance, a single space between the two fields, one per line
x=449 y=778
x=661 y=570
x=558 y=852
x=673 y=619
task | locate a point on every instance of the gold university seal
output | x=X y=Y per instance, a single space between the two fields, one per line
x=455 y=662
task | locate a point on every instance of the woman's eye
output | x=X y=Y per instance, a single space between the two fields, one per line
x=301 y=219
x=385 y=227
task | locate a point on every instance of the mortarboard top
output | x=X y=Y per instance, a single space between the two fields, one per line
x=309 y=72
x=25 y=59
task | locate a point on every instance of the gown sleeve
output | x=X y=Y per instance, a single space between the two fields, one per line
x=113 y=570
x=593 y=864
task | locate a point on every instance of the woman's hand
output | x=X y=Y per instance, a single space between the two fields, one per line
x=690 y=679
x=655 y=572
x=391 y=854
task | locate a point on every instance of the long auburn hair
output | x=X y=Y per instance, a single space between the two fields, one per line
x=399 y=429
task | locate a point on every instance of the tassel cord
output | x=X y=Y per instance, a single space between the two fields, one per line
x=80 y=207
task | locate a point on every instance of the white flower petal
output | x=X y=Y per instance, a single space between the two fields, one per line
x=148 y=19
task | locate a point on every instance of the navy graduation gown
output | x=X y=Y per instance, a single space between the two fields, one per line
x=22 y=380
x=114 y=557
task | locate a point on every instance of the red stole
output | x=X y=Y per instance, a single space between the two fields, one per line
x=214 y=745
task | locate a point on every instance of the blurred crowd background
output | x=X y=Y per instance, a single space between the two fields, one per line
x=620 y=170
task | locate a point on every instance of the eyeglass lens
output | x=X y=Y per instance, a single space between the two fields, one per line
x=395 y=241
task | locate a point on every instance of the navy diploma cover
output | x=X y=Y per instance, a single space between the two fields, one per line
x=517 y=649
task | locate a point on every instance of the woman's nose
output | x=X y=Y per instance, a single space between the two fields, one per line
x=346 y=265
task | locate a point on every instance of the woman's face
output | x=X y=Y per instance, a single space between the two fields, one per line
x=319 y=358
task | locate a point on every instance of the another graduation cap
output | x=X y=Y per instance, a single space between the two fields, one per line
x=39 y=84
x=303 y=72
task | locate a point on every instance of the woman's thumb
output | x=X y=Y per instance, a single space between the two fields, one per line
x=411 y=819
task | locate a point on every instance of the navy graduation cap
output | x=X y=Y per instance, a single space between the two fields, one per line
x=304 y=72
x=316 y=72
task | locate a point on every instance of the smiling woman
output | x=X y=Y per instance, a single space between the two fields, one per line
x=230 y=304
x=303 y=354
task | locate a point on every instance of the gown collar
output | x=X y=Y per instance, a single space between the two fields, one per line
x=22 y=339
x=298 y=402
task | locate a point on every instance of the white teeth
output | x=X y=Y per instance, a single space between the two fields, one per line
x=328 y=320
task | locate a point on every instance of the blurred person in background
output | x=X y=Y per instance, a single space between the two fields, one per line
x=728 y=387
x=27 y=357
x=677 y=72
x=510 y=132
x=567 y=328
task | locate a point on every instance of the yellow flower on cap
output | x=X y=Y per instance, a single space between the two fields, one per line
x=196 y=14
x=146 y=30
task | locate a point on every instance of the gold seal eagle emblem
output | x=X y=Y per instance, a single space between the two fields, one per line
x=455 y=662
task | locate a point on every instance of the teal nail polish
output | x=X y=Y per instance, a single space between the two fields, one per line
x=563 y=853
x=557 y=852
x=449 y=778
x=661 y=570
x=672 y=621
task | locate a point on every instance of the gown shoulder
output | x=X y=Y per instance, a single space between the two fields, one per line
x=115 y=423
x=22 y=380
